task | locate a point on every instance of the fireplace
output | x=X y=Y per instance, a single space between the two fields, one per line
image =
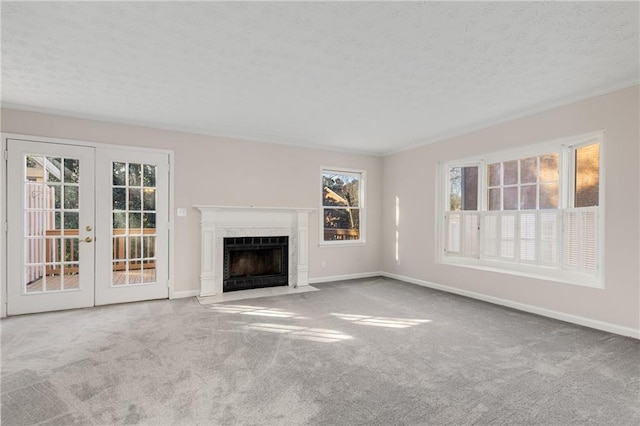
x=221 y=222
x=255 y=262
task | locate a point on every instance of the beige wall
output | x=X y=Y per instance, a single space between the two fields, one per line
x=410 y=175
x=217 y=171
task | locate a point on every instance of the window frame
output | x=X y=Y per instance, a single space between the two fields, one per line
x=565 y=148
x=361 y=207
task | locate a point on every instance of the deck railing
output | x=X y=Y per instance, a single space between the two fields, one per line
x=145 y=247
x=334 y=234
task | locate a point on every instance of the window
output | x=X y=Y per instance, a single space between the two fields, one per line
x=342 y=206
x=535 y=212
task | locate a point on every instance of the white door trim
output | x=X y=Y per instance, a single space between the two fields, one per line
x=3 y=199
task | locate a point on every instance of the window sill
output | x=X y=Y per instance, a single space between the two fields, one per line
x=342 y=243
x=536 y=272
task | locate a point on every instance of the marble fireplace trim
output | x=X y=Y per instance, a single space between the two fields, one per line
x=220 y=222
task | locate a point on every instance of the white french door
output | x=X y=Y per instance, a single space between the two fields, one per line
x=132 y=210
x=50 y=215
x=86 y=226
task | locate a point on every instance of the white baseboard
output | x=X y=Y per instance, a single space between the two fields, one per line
x=184 y=293
x=574 y=319
x=345 y=277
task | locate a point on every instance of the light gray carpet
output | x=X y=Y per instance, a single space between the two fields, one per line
x=364 y=352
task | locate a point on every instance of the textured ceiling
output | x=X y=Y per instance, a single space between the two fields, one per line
x=366 y=76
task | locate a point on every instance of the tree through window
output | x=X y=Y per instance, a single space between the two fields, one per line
x=341 y=205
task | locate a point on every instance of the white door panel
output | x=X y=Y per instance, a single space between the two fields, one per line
x=50 y=213
x=133 y=209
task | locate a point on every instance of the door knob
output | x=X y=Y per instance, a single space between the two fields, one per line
x=87 y=240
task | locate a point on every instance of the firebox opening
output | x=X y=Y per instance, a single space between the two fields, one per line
x=247 y=263
x=255 y=262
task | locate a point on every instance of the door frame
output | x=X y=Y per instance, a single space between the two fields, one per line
x=3 y=200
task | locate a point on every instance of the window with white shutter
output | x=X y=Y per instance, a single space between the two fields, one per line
x=535 y=212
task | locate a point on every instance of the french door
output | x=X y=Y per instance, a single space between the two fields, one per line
x=86 y=226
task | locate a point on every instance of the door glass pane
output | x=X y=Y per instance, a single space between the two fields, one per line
x=34 y=223
x=119 y=174
x=71 y=277
x=149 y=220
x=119 y=199
x=53 y=250
x=34 y=278
x=134 y=174
x=134 y=232
x=34 y=171
x=71 y=170
x=71 y=223
x=57 y=197
x=50 y=210
x=54 y=169
x=149 y=199
x=149 y=178
x=135 y=202
x=149 y=247
x=71 y=197
x=134 y=223
x=71 y=253
x=119 y=221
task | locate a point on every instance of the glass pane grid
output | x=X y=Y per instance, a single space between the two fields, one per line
x=134 y=223
x=525 y=184
x=341 y=201
x=51 y=210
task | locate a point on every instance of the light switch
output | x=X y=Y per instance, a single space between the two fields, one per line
x=182 y=212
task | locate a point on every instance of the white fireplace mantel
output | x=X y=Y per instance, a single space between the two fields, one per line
x=220 y=222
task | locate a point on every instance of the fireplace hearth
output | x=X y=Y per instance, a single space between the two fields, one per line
x=255 y=262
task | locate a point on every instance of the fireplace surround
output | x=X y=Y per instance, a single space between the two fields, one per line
x=220 y=222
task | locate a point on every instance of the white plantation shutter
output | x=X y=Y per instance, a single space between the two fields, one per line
x=470 y=237
x=454 y=223
x=528 y=234
x=580 y=239
x=462 y=237
x=548 y=237
x=588 y=246
x=490 y=236
x=508 y=236
x=570 y=239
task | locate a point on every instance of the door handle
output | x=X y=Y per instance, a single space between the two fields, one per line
x=87 y=240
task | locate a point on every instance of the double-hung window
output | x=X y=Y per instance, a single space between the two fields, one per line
x=534 y=212
x=342 y=206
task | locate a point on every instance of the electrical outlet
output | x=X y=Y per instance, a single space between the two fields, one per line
x=324 y=263
x=182 y=212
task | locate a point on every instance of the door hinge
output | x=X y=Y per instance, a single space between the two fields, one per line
x=6 y=155
x=6 y=226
